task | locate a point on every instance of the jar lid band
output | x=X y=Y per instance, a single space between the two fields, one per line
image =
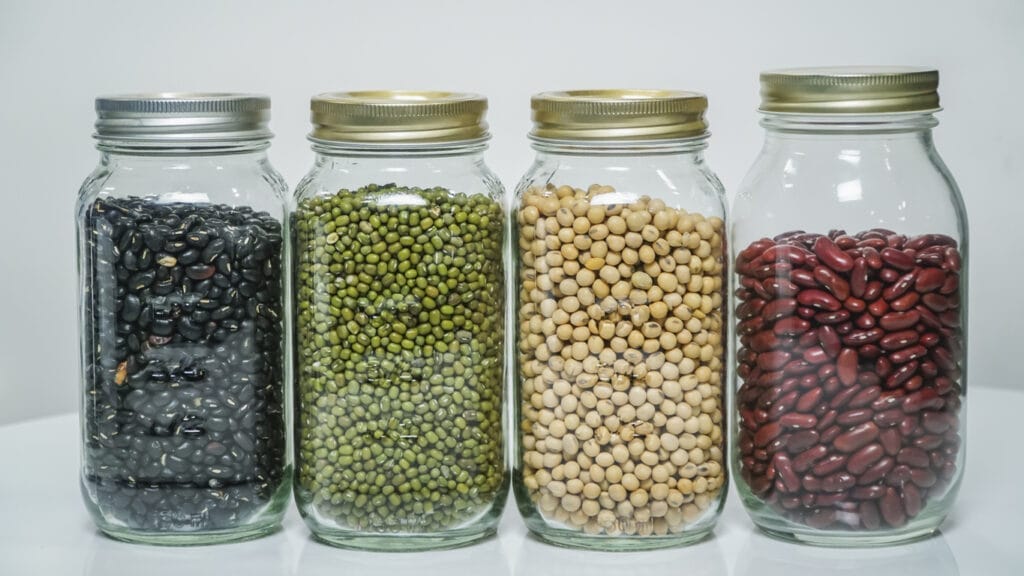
x=850 y=90
x=614 y=115
x=171 y=119
x=398 y=116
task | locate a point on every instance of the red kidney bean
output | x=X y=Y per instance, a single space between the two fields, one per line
x=838 y=482
x=905 y=302
x=935 y=302
x=849 y=363
x=899 y=340
x=862 y=459
x=927 y=399
x=897 y=259
x=872 y=291
x=830 y=465
x=861 y=337
x=865 y=397
x=829 y=340
x=865 y=321
x=827 y=419
x=791 y=326
x=891 y=507
x=907 y=354
x=784 y=470
x=839 y=287
x=846 y=366
x=888 y=418
x=831 y=255
x=895 y=321
x=937 y=422
x=855 y=305
x=870 y=517
x=929 y=279
x=853 y=417
x=803 y=278
x=912 y=500
x=913 y=456
x=858 y=277
x=891 y=440
x=872 y=492
x=840 y=399
x=819 y=299
x=923 y=477
x=806 y=459
x=876 y=472
x=800 y=441
x=951 y=285
x=878 y=308
x=767 y=433
x=798 y=421
x=773 y=360
x=857 y=437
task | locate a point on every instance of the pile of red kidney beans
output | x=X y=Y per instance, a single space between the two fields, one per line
x=849 y=362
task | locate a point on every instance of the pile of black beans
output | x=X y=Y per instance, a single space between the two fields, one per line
x=183 y=363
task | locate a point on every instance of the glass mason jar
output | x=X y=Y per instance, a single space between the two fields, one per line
x=181 y=309
x=850 y=239
x=620 y=278
x=399 y=301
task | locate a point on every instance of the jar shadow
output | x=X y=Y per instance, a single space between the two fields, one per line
x=486 y=557
x=703 y=558
x=268 y=556
x=765 y=556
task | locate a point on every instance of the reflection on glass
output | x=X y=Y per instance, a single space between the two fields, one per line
x=704 y=558
x=763 y=556
x=264 y=557
x=486 y=558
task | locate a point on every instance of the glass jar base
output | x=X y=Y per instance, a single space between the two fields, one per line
x=192 y=538
x=404 y=542
x=577 y=540
x=853 y=539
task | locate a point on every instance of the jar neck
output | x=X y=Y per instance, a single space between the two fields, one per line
x=847 y=125
x=182 y=158
x=693 y=147
x=328 y=149
x=143 y=148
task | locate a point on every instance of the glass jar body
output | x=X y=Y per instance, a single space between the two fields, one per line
x=399 y=347
x=850 y=238
x=620 y=287
x=181 y=300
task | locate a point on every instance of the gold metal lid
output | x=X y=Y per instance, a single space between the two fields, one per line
x=618 y=115
x=398 y=116
x=850 y=90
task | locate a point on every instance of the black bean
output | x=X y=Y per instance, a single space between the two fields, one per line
x=185 y=429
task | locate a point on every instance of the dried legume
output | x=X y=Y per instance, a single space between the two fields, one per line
x=399 y=330
x=620 y=361
x=183 y=363
x=850 y=363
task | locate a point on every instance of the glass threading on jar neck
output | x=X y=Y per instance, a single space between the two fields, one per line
x=341 y=149
x=848 y=124
x=675 y=146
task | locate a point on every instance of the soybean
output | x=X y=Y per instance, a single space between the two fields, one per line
x=620 y=358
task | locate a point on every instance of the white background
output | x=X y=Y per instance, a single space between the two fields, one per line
x=55 y=57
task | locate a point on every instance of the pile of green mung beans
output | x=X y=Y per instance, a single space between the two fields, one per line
x=399 y=356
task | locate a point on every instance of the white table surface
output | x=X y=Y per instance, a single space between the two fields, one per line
x=45 y=530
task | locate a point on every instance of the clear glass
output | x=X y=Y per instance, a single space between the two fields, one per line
x=850 y=238
x=399 y=300
x=620 y=289
x=183 y=342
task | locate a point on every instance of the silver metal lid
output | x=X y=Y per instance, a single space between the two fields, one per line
x=170 y=119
